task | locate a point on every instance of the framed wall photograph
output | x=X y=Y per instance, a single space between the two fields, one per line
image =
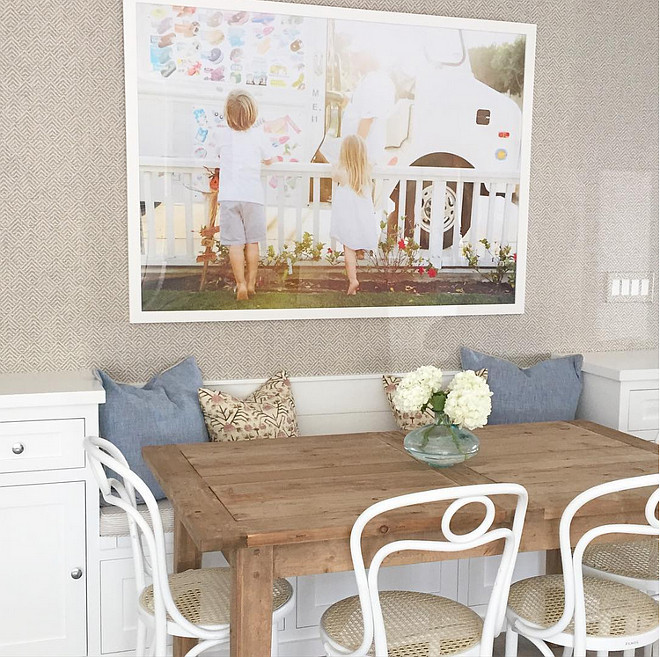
x=291 y=161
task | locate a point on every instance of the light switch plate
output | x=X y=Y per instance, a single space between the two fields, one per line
x=630 y=287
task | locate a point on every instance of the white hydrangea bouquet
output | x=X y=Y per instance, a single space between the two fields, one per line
x=459 y=408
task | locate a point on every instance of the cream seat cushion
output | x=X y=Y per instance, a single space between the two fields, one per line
x=612 y=609
x=637 y=558
x=202 y=596
x=114 y=521
x=416 y=624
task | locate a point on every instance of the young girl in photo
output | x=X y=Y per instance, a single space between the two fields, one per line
x=242 y=150
x=353 y=218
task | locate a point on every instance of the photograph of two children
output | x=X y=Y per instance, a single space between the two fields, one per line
x=297 y=161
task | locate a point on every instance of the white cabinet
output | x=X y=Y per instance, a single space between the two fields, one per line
x=621 y=391
x=43 y=570
x=48 y=505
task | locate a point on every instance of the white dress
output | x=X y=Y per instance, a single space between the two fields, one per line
x=353 y=220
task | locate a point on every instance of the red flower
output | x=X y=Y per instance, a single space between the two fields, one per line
x=421 y=270
x=329 y=250
x=432 y=272
x=401 y=244
x=515 y=257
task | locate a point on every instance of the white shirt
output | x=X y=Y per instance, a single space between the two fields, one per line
x=241 y=154
x=373 y=98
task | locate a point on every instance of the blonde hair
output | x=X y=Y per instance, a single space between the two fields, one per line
x=240 y=110
x=353 y=160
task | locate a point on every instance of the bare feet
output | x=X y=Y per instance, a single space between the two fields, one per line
x=353 y=287
x=241 y=293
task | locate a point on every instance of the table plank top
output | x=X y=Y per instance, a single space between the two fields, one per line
x=307 y=489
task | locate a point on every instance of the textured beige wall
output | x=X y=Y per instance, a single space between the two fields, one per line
x=63 y=268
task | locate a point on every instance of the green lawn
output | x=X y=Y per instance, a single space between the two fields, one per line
x=224 y=300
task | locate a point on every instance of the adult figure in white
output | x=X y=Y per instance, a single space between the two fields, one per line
x=372 y=101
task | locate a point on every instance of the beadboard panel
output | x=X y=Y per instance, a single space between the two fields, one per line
x=63 y=244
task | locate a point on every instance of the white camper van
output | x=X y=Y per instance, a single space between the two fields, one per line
x=443 y=117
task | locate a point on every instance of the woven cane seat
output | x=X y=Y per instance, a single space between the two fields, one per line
x=612 y=609
x=416 y=624
x=202 y=596
x=637 y=558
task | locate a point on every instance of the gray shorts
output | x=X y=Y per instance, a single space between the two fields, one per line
x=242 y=222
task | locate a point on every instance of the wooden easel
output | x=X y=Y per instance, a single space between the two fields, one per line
x=208 y=232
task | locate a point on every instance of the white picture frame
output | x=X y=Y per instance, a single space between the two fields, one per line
x=150 y=99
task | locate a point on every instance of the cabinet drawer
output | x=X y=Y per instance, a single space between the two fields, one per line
x=643 y=410
x=41 y=445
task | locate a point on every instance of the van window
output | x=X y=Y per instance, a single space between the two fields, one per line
x=444 y=46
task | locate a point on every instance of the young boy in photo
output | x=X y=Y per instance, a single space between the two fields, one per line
x=242 y=149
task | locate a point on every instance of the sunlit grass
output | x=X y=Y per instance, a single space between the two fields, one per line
x=224 y=300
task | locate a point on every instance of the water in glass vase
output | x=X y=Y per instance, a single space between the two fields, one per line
x=441 y=444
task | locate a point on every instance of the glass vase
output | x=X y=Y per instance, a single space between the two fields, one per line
x=442 y=443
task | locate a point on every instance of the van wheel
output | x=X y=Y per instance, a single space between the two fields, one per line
x=435 y=160
x=450 y=211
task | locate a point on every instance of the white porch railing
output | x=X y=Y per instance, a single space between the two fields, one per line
x=175 y=208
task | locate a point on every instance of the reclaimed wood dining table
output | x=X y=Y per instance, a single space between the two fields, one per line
x=285 y=507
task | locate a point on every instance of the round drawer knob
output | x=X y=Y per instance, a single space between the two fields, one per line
x=18 y=448
x=76 y=573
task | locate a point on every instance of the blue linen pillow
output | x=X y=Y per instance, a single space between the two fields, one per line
x=545 y=392
x=164 y=411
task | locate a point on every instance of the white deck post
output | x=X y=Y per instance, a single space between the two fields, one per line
x=436 y=234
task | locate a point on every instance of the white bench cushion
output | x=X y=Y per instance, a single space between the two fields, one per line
x=114 y=522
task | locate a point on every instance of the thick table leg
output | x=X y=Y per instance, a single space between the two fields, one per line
x=251 y=602
x=553 y=562
x=186 y=556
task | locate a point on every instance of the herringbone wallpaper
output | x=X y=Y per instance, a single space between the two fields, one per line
x=63 y=272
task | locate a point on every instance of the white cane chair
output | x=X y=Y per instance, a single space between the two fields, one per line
x=582 y=612
x=408 y=624
x=194 y=603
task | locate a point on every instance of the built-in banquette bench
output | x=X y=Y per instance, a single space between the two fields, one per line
x=70 y=564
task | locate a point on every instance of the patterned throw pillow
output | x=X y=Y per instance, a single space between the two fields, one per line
x=410 y=421
x=269 y=412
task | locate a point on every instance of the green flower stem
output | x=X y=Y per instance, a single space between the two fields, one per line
x=454 y=438
x=441 y=419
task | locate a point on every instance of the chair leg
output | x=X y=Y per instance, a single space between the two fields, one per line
x=274 y=645
x=511 y=643
x=629 y=653
x=141 y=643
x=602 y=653
x=567 y=652
x=151 y=652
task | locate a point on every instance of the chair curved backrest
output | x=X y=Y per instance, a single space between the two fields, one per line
x=374 y=626
x=574 y=604
x=121 y=493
